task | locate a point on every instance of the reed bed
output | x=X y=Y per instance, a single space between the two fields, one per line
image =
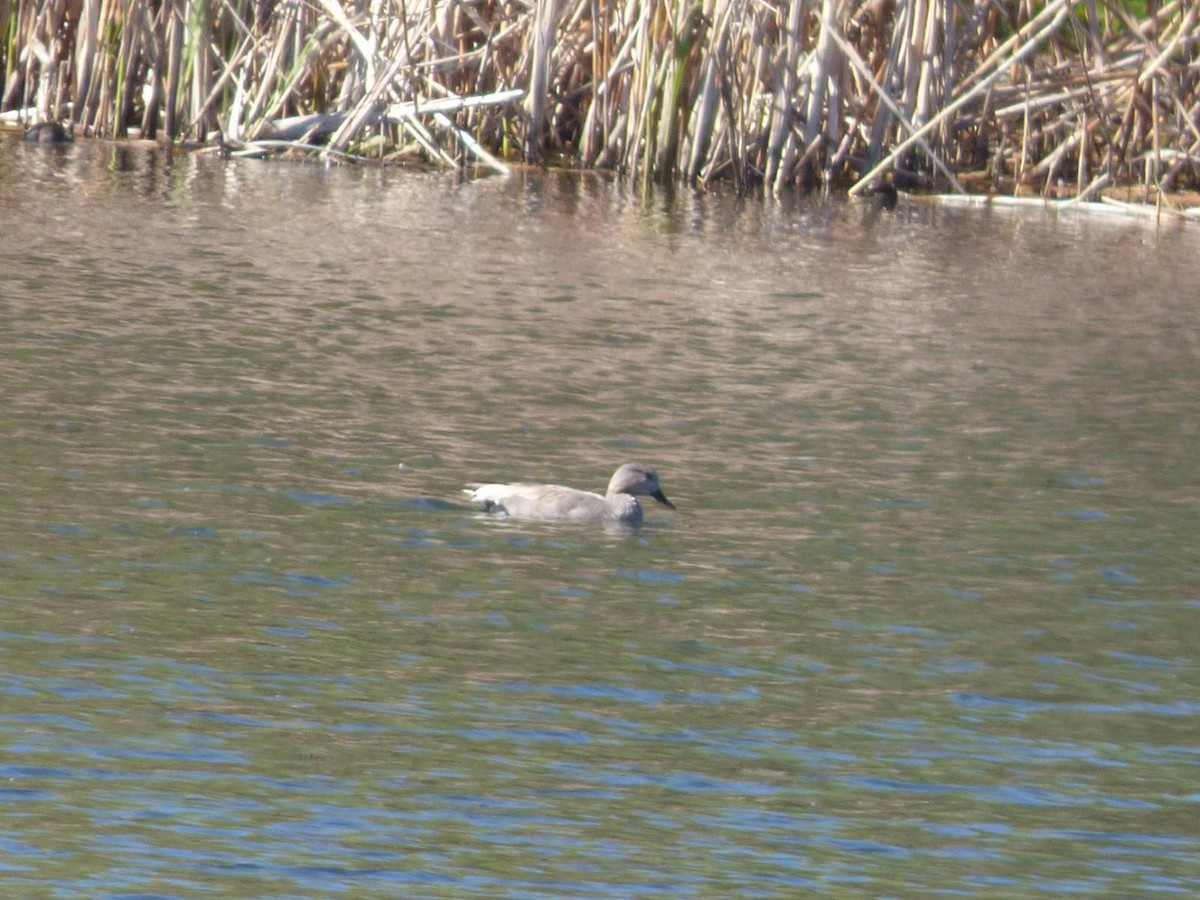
x=1056 y=96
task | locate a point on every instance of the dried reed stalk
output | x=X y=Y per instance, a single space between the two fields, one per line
x=777 y=93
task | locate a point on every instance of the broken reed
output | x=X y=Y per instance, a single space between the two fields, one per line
x=781 y=92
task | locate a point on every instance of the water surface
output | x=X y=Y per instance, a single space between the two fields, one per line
x=923 y=624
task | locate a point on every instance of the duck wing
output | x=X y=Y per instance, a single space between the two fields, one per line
x=548 y=502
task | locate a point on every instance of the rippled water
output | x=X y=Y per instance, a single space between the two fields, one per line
x=923 y=624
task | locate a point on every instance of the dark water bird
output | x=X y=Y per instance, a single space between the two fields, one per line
x=48 y=133
x=555 y=503
x=885 y=194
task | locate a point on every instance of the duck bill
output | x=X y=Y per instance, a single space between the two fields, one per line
x=662 y=498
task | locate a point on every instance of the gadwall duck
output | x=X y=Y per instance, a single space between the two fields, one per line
x=552 y=502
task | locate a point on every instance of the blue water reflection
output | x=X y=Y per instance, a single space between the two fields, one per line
x=922 y=624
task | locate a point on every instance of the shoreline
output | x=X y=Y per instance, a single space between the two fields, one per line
x=798 y=95
x=1111 y=200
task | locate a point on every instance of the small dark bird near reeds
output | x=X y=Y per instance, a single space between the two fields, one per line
x=48 y=133
x=885 y=194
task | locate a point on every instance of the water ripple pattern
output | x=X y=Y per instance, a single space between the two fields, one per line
x=923 y=624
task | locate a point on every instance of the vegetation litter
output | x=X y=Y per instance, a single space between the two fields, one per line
x=1061 y=98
